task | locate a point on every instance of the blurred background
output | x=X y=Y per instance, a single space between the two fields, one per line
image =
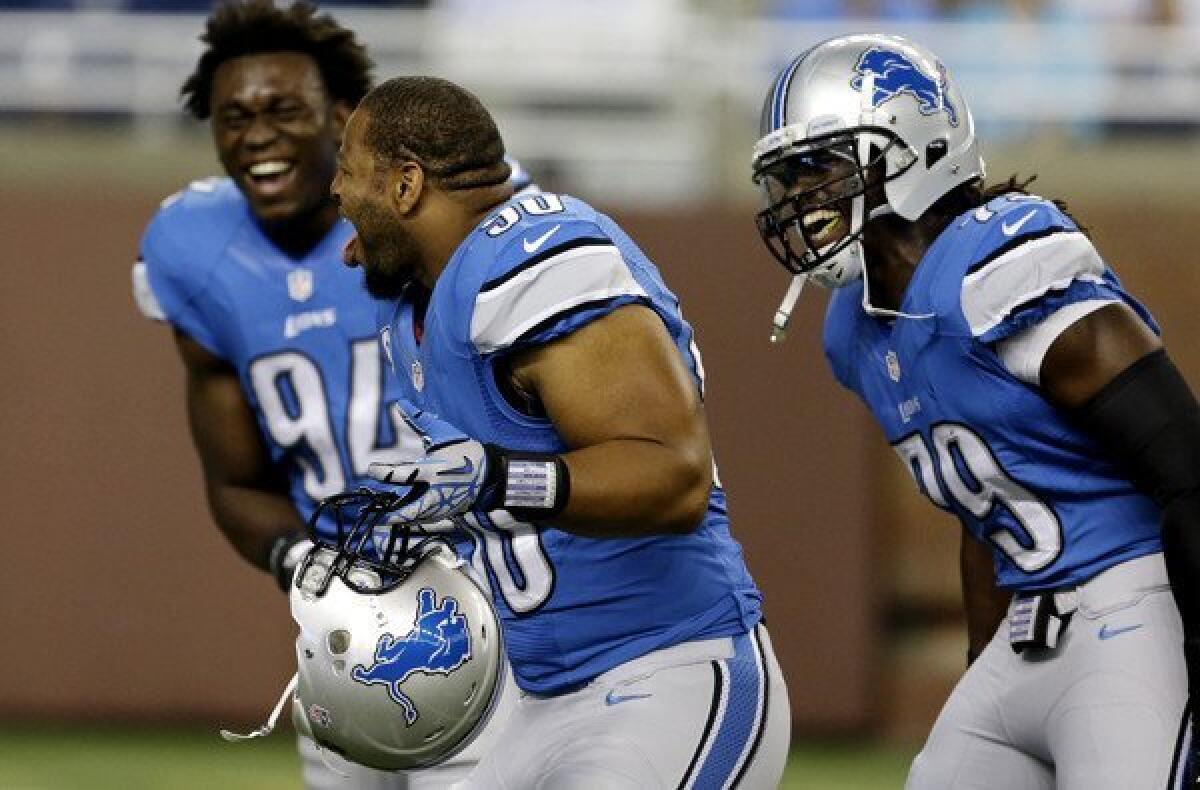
x=131 y=630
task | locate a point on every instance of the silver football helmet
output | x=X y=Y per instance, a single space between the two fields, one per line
x=399 y=659
x=842 y=119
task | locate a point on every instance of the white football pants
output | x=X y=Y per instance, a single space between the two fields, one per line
x=707 y=715
x=1101 y=711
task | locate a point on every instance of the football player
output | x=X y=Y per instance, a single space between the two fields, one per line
x=286 y=392
x=1027 y=392
x=557 y=395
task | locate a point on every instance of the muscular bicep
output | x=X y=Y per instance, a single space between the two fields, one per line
x=621 y=398
x=620 y=377
x=222 y=423
x=1092 y=352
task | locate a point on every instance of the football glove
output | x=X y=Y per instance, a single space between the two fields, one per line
x=285 y=554
x=445 y=471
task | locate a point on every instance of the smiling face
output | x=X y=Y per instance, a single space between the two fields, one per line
x=276 y=132
x=808 y=197
x=387 y=252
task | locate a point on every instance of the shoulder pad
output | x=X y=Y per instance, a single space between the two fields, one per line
x=1028 y=248
x=181 y=245
x=542 y=267
x=180 y=250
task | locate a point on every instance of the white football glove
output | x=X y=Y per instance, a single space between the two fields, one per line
x=445 y=471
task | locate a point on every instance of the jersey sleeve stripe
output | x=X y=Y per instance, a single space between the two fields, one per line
x=143 y=294
x=549 y=252
x=1025 y=274
x=552 y=287
x=1009 y=246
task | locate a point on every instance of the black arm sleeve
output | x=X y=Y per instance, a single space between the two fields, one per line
x=1149 y=418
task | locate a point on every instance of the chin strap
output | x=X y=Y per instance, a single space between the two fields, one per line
x=266 y=729
x=784 y=313
x=880 y=312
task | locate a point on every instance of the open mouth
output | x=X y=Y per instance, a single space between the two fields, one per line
x=822 y=226
x=271 y=177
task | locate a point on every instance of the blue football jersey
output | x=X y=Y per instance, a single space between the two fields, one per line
x=300 y=332
x=980 y=442
x=539 y=268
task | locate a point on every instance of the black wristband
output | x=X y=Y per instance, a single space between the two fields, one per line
x=531 y=486
x=285 y=554
x=1148 y=418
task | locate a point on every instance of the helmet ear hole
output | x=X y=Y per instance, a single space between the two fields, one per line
x=935 y=151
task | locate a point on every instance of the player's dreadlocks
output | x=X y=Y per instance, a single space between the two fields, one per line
x=252 y=27
x=439 y=125
x=973 y=194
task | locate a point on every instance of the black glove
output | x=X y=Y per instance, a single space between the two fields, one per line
x=286 y=553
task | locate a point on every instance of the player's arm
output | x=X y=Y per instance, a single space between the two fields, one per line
x=985 y=604
x=620 y=396
x=1113 y=372
x=246 y=495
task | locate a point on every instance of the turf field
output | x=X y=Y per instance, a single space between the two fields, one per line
x=191 y=760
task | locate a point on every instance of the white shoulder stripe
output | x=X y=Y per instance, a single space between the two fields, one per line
x=143 y=294
x=572 y=278
x=1026 y=273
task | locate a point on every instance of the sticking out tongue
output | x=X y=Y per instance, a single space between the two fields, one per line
x=351 y=254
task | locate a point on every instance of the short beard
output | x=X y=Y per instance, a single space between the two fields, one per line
x=386 y=285
x=389 y=267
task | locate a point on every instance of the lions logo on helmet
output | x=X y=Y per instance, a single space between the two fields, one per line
x=856 y=116
x=895 y=74
x=386 y=604
x=439 y=642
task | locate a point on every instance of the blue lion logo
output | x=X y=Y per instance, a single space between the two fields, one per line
x=438 y=643
x=896 y=74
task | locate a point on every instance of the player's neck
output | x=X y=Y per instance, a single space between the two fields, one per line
x=298 y=235
x=894 y=249
x=454 y=218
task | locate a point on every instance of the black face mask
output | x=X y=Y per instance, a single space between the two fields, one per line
x=837 y=177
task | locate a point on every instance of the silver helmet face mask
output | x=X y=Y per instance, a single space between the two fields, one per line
x=888 y=107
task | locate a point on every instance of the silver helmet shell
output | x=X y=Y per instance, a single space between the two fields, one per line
x=877 y=95
x=393 y=677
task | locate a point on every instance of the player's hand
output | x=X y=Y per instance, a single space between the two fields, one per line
x=445 y=471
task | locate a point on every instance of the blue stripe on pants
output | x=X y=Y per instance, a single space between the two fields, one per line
x=742 y=718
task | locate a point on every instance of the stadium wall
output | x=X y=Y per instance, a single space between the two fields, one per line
x=120 y=601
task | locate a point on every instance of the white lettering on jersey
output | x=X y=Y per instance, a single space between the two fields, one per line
x=1041 y=543
x=524 y=545
x=297 y=415
x=538 y=205
x=314 y=319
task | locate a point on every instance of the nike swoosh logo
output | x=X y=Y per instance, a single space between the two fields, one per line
x=1109 y=633
x=616 y=699
x=1016 y=226
x=533 y=246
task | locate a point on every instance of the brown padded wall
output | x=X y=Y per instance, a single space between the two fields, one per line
x=119 y=599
